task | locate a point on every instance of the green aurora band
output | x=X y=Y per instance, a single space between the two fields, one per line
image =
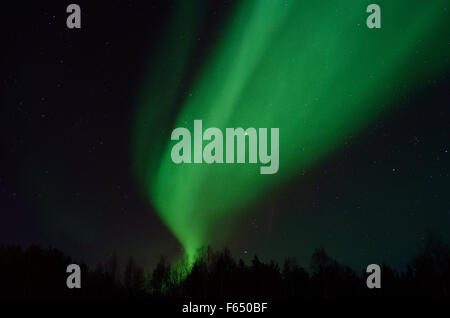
x=310 y=68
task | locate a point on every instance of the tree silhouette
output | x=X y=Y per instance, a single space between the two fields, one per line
x=133 y=281
x=37 y=272
x=160 y=277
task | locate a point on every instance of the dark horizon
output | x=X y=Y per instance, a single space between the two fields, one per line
x=218 y=275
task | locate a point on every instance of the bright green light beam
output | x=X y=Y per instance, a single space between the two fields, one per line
x=310 y=68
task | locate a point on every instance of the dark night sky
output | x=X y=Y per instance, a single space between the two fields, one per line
x=67 y=100
x=66 y=118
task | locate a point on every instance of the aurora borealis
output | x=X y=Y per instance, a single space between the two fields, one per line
x=86 y=119
x=313 y=70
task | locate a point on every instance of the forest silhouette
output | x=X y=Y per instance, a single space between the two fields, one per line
x=41 y=273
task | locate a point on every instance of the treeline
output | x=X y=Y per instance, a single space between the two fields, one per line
x=38 y=272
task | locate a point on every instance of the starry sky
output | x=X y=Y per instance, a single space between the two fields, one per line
x=86 y=117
